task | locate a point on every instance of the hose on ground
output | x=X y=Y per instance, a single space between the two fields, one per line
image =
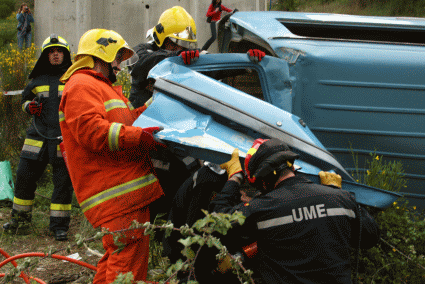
x=41 y=254
x=38 y=254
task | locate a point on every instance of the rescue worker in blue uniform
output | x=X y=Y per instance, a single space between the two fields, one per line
x=41 y=98
x=304 y=231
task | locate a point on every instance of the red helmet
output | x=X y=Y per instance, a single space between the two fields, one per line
x=267 y=156
x=249 y=154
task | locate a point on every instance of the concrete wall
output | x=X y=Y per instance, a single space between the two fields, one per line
x=130 y=18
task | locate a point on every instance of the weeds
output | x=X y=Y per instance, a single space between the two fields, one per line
x=15 y=66
x=124 y=80
x=8 y=32
x=399 y=256
x=385 y=175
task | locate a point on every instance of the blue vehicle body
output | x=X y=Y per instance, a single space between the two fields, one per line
x=356 y=81
x=206 y=118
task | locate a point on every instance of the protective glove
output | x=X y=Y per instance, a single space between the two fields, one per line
x=330 y=179
x=190 y=56
x=256 y=55
x=153 y=130
x=34 y=107
x=233 y=166
x=149 y=138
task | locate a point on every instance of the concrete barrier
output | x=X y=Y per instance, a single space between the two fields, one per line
x=130 y=18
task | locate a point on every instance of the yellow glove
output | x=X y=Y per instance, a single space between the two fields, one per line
x=149 y=102
x=327 y=178
x=233 y=166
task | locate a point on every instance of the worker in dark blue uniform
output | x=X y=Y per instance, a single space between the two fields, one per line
x=304 y=231
x=174 y=35
x=41 y=99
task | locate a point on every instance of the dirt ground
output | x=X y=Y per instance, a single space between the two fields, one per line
x=49 y=270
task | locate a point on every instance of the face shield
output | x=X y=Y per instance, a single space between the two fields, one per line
x=149 y=35
x=185 y=38
x=127 y=57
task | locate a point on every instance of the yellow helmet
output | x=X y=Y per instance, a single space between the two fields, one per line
x=42 y=64
x=103 y=44
x=54 y=40
x=178 y=25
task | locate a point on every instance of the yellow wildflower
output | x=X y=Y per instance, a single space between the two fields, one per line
x=377 y=158
x=414 y=207
x=368 y=173
x=398 y=207
x=394 y=203
x=394 y=249
x=383 y=172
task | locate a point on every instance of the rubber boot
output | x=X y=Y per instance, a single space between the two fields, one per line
x=19 y=224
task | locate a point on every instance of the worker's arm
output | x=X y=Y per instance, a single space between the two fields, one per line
x=20 y=17
x=85 y=115
x=369 y=235
x=224 y=8
x=228 y=200
x=147 y=60
x=30 y=18
x=27 y=96
x=230 y=196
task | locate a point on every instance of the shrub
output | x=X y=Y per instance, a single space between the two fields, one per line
x=388 y=175
x=14 y=69
x=8 y=32
x=6 y=8
x=123 y=79
x=15 y=66
x=399 y=256
x=13 y=123
x=285 y=5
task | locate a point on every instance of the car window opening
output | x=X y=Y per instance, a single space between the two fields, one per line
x=358 y=33
x=244 y=79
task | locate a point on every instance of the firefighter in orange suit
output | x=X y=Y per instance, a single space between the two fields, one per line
x=108 y=158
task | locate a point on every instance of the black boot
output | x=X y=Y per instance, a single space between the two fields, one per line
x=59 y=226
x=19 y=224
x=61 y=235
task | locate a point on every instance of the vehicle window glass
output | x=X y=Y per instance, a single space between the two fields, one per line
x=244 y=79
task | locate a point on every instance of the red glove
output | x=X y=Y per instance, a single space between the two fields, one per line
x=153 y=130
x=148 y=140
x=256 y=55
x=190 y=56
x=34 y=108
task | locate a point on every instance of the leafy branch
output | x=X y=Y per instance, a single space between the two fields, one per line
x=211 y=223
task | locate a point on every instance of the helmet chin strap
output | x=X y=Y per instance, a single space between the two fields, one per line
x=111 y=75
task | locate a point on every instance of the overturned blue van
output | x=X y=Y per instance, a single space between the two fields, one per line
x=206 y=117
x=358 y=82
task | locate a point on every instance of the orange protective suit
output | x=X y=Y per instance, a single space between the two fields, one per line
x=109 y=164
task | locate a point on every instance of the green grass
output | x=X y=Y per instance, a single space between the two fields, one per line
x=406 y=8
x=8 y=31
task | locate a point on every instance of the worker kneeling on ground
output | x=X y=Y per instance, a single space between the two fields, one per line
x=41 y=98
x=108 y=159
x=304 y=231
